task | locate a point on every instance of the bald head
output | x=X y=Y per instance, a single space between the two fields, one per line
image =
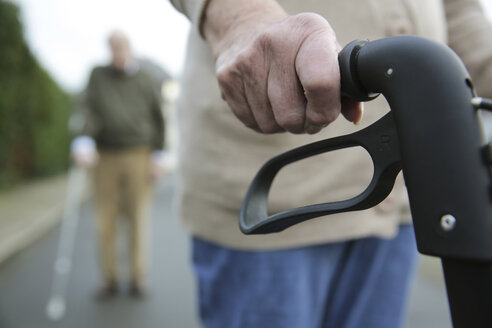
x=120 y=49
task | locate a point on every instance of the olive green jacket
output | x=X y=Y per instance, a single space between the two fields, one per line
x=123 y=109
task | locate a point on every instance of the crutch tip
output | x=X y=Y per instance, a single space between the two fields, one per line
x=55 y=309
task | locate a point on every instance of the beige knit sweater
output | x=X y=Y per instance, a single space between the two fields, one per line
x=219 y=156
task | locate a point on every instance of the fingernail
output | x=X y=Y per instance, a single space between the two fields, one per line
x=361 y=114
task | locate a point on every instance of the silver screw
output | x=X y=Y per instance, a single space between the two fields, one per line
x=448 y=222
x=389 y=71
x=477 y=102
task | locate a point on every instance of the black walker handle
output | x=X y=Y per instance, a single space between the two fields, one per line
x=434 y=125
x=433 y=131
x=380 y=140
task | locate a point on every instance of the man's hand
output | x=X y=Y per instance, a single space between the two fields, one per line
x=84 y=152
x=276 y=72
x=159 y=164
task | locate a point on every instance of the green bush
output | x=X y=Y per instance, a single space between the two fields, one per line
x=34 y=110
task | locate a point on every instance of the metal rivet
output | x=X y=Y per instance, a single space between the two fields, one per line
x=448 y=222
x=389 y=71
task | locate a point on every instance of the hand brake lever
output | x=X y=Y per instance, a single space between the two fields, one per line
x=381 y=142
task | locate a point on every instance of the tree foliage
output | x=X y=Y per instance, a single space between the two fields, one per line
x=34 y=110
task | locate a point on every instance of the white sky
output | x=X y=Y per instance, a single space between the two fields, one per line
x=69 y=37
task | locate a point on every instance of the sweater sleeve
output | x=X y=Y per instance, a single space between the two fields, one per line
x=90 y=122
x=470 y=35
x=158 y=121
x=193 y=9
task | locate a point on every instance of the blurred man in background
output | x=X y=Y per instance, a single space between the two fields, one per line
x=122 y=138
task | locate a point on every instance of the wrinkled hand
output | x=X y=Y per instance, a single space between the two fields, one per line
x=278 y=72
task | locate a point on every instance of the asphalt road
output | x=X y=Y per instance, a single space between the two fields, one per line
x=25 y=282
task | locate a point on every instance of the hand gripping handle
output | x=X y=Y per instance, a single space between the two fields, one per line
x=380 y=140
x=433 y=128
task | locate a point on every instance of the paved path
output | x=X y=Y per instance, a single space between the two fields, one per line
x=28 y=211
x=25 y=283
x=25 y=280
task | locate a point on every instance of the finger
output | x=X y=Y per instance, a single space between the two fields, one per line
x=352 y=110
x=288 y=104
x=255 y=76
x=317 y=68
x=313 y=129
x=286 y=95
x=233 y=92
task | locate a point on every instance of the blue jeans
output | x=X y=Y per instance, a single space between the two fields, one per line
x=362 y=283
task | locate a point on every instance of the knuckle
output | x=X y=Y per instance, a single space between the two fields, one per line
x=320 y=85
x=225 y=76
x=311 y=20
x=230 y=83
x=246 y=62
x=266 y=39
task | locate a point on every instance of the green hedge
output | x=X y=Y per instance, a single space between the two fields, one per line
x=34 y=110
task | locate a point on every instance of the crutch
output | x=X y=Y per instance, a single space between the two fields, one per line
x=433 y=135
x=56 y=305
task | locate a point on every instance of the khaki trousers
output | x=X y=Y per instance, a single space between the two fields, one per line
x=122 y=186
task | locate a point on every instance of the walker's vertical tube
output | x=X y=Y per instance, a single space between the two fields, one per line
x=469 y=288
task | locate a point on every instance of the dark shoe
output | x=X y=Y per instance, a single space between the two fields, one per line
x=137 y=290
x=107 y=291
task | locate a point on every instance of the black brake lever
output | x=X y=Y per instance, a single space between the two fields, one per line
x=381 y=142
